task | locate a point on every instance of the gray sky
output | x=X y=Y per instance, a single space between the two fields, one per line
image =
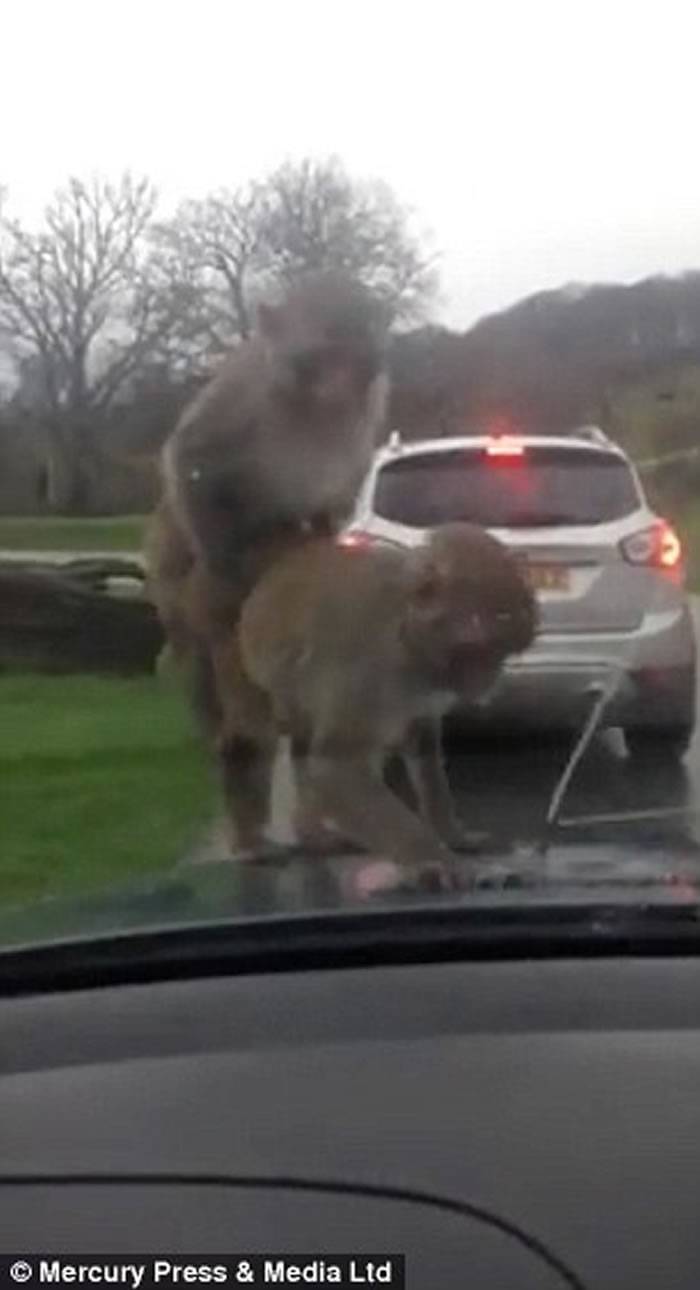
x=540 y=143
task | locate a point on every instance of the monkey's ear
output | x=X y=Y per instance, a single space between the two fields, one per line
x=270 y=321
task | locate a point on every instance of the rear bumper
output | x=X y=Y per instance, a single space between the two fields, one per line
x=553 y=683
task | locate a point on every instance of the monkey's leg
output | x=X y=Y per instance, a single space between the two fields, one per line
x=202 y=687
x=168 y=553
x=348 y=788
x=246 y=747
x=315 y=832
x=425 y=765
x=199 y=613
x=309 y=827
x=246 y=766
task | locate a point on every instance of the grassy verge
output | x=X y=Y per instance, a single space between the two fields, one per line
x=100 y=780
x=689 y=528
x=56 y=533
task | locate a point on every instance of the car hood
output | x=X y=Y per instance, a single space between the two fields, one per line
x=591 y=872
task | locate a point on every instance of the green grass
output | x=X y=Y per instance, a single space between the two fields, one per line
x=56 y=533
x=689 y=528
x=101 y=781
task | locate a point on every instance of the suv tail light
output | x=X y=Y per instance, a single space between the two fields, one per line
x=658 y=547
x=355 y=538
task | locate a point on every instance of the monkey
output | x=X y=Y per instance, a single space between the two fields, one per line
x=284 y=434
x=271 y=451
x=357 y=652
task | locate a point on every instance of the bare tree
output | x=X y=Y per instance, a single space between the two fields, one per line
x=231 y=246
x=81 y=309
x=314 y=215
x=214 y=245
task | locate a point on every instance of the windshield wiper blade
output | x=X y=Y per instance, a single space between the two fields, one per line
x=603 y=693
x=542 y=519
x=651 y=813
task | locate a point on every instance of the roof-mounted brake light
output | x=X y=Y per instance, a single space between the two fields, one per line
x=505 y=446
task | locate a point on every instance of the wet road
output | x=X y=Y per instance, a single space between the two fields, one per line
x=504 y=788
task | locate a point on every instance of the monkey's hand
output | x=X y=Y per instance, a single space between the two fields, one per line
x=423 y=759
x=348 y=790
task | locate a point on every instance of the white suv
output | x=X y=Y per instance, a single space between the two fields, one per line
x=608 y=571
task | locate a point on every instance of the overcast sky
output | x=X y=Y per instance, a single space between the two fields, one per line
x=540 y=143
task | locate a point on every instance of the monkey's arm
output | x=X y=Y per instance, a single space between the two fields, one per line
x=343 y=777
x=425 y=765
x=423 y=759
x=246 y=743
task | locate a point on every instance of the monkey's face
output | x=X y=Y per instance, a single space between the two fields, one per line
x=325 y=342
x=328 y=376
x=470 y=607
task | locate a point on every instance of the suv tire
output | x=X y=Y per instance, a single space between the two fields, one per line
x=669 y=732
x=663 y=743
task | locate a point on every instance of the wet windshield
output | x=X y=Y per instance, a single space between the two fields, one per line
x=247 y=267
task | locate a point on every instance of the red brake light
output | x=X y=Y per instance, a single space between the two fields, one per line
x=658 y=547
x=505 y=447
x=670 y=550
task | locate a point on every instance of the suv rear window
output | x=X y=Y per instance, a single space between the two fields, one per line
x=544 y=486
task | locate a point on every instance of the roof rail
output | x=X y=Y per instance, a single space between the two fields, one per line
x=593 y=433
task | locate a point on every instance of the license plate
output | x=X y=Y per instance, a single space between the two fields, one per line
x=547 y=577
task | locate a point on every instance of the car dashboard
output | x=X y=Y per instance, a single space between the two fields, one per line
x=516 y=1124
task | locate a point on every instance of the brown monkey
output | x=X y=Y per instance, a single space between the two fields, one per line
x=358 y=652
x=274 y=448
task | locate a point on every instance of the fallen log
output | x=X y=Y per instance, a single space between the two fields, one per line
x=96 y=572
x=53 y=621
